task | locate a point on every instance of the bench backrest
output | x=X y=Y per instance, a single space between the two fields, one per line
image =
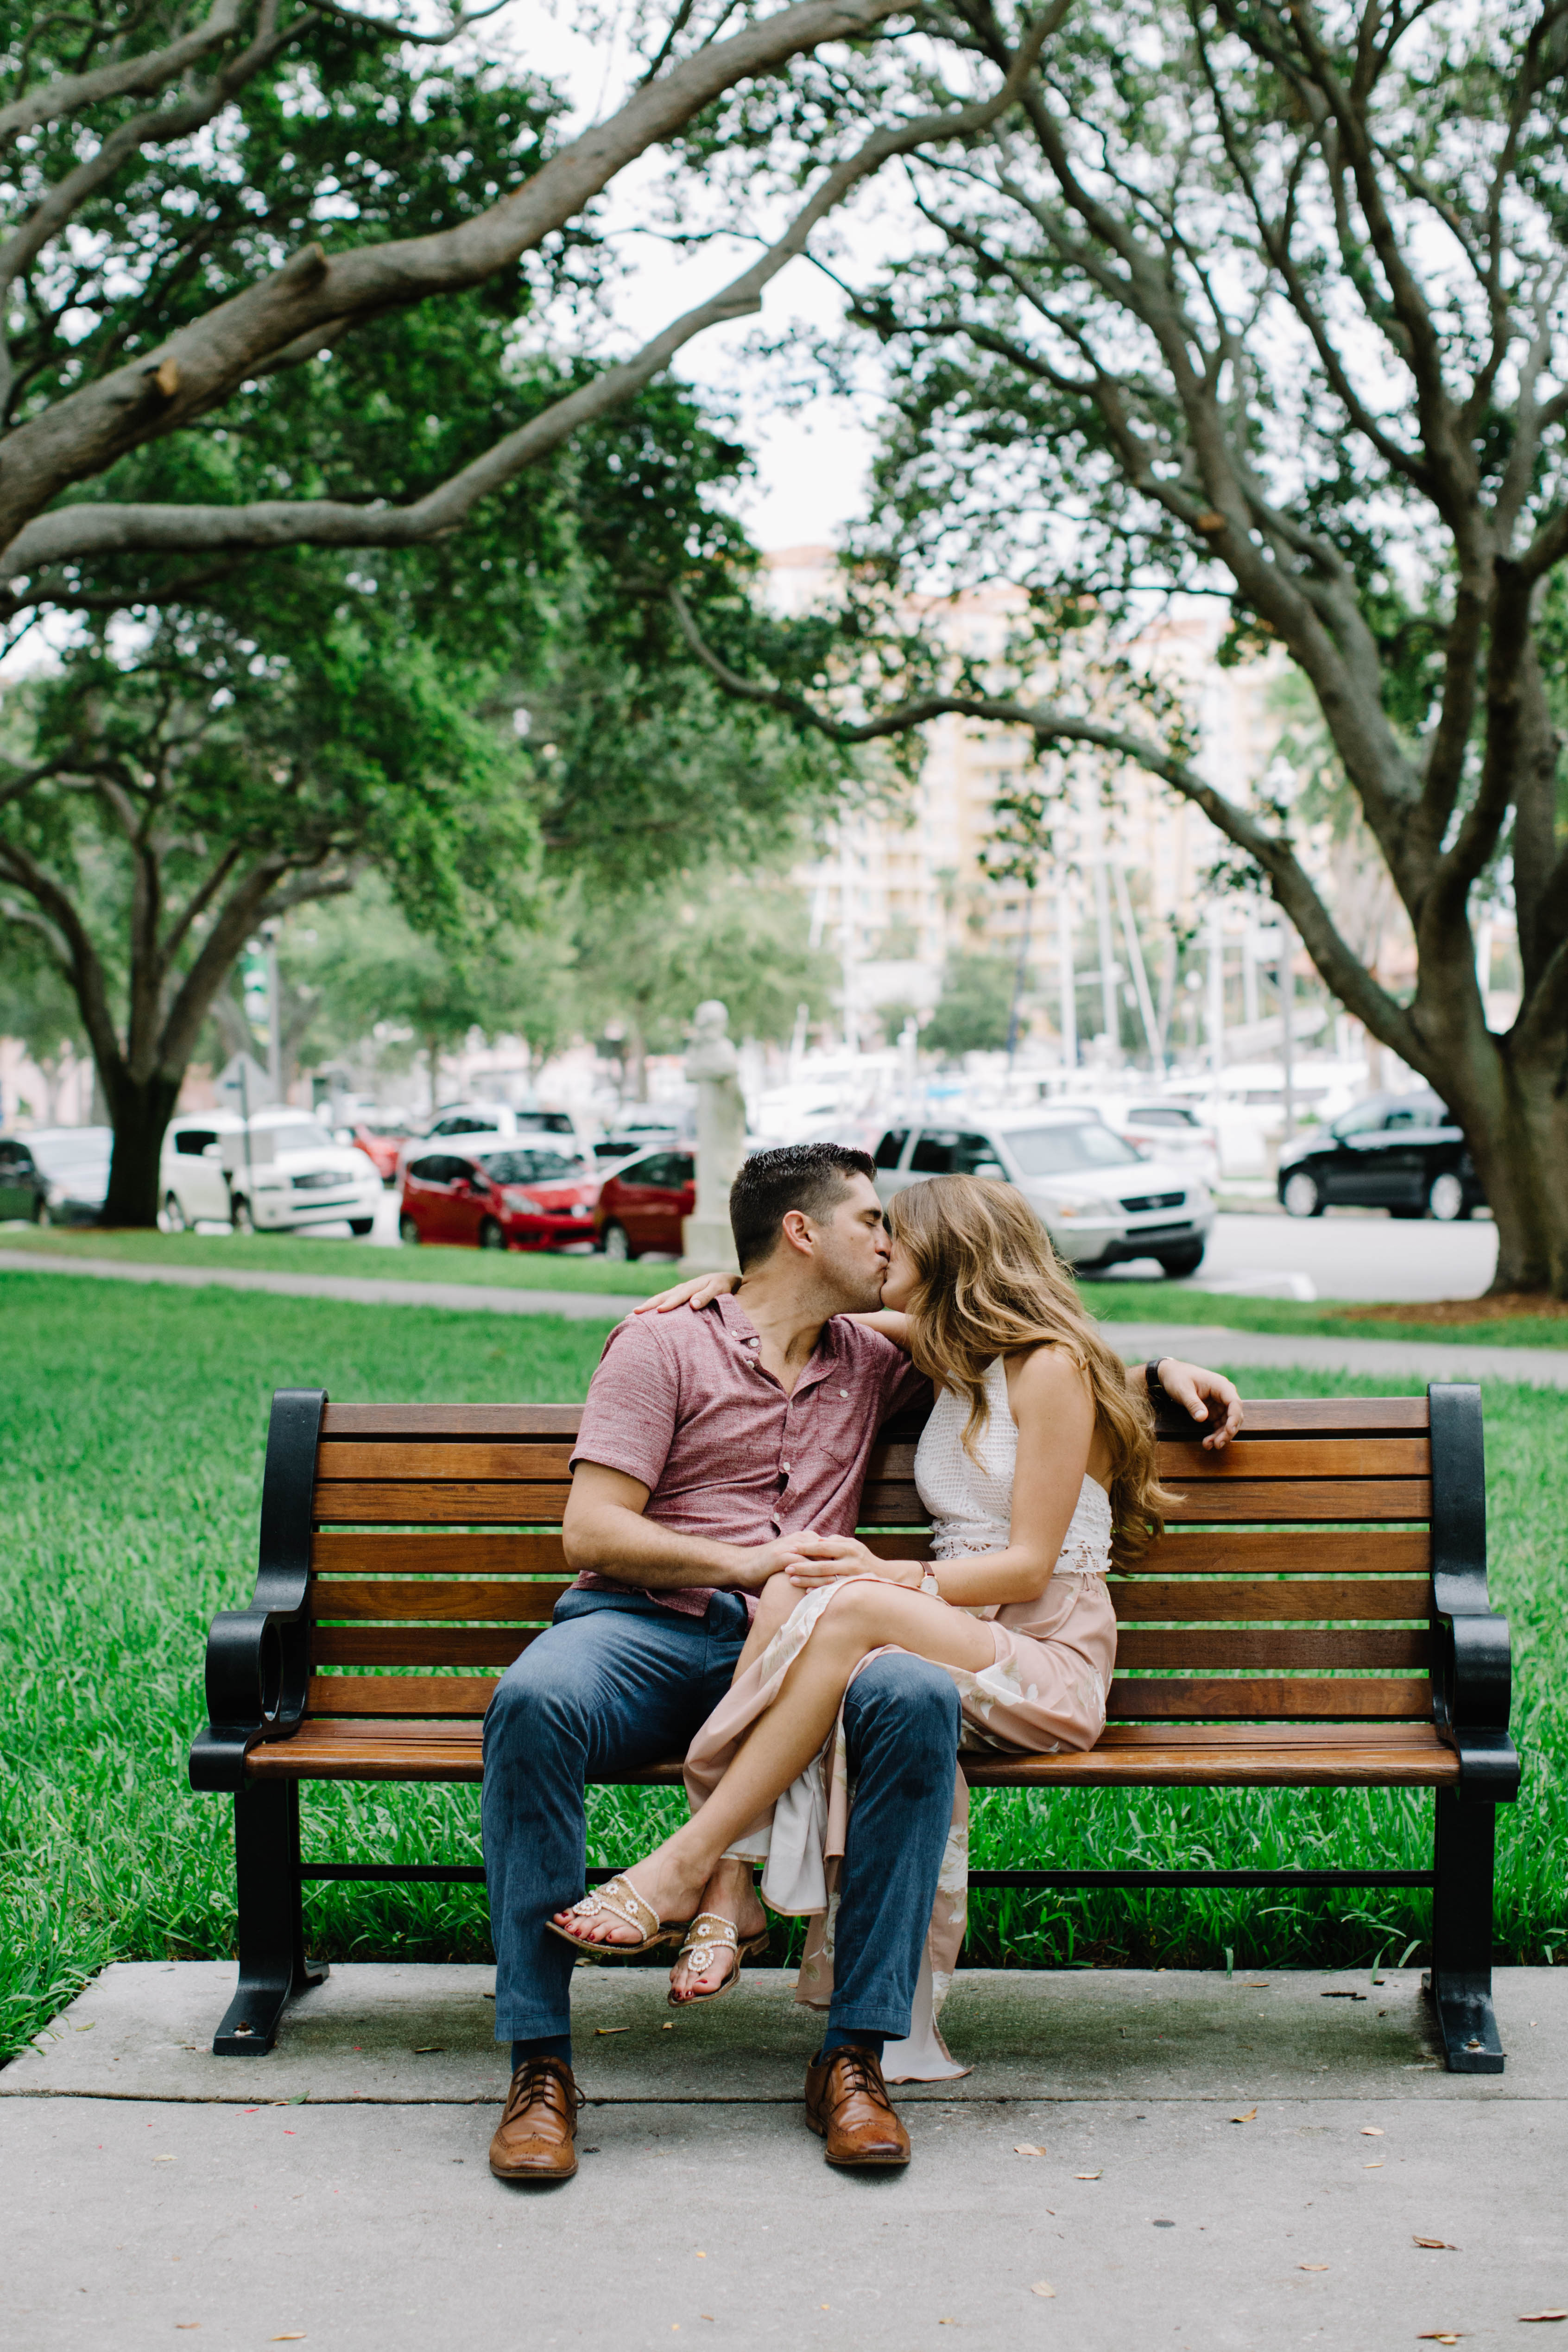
x=1294 y=1582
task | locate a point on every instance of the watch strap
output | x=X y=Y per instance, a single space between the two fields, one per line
x=1152 y=1375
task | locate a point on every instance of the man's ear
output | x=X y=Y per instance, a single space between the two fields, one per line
x=797 y=1230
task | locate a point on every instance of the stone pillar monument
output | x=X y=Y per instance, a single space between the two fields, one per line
x=713 y=1066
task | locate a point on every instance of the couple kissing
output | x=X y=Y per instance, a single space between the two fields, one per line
x=724 y=1611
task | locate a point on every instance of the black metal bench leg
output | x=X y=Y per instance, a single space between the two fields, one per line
x=1460 y=1983
x=272 y=1963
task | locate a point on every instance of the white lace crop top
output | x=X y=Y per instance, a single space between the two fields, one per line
x=971 y=1500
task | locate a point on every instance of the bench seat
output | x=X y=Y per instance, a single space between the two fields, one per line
x=1314 y=1616
x=1128 y=1755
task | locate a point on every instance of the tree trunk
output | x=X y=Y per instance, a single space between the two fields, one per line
x=634 y=1064
x=141 y=1110
x=1508 y=1098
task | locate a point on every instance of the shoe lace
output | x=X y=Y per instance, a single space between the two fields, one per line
x=531 y=2078
x=858 y=2071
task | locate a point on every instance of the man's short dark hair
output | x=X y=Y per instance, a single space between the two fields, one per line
x=810 y=1177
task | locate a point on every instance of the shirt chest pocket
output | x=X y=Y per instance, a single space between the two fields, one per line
x=836 y=1424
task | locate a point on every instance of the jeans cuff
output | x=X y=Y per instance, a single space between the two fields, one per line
x=520 y=2028
x=895 y=2028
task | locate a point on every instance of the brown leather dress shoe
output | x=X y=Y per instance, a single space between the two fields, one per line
x=535 y=2138
x=846 y=2103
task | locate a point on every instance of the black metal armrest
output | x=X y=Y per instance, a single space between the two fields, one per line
x=259 y=1659
x=1471 y=1656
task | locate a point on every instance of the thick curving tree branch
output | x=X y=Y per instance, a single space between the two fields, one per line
x=91 y=529
x=203 y=362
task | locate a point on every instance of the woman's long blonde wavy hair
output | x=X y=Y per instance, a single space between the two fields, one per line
x=988 y=1282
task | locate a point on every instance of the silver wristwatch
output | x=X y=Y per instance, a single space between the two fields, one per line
x=929 y=1584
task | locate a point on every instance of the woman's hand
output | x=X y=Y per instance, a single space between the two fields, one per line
x=823 y=1559
x=700 y=1291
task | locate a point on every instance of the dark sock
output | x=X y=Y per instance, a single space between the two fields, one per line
x=849 y=2037
x=542 y=2045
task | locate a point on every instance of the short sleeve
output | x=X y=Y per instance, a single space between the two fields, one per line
x=629 y=1418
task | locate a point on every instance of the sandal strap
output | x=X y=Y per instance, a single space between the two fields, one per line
x=711 y=1932
x=620 y=1898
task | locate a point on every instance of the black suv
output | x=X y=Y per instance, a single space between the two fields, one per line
x=1399 y=1152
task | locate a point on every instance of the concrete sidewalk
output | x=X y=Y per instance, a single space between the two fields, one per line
x=1204 y=1343
x=1166 y=2159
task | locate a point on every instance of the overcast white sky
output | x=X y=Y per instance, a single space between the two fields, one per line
x=811 y=466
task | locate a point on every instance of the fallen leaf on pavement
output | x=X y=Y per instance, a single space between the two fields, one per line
x=1372 y=2131
x=1090 y=2176
x=612 y=2029
x=162 y=2159
x=1249 y=2117
x=1254 y=1984
x=1376 y=2166
x=1438 y=2335
x=428 y=2049
x=1341 y=1996
x=1311 y=2266
x=1545 y=2314
x=295 y=2335
x=1027 y=2147
x=1438 y=2246
x=1042 y=2286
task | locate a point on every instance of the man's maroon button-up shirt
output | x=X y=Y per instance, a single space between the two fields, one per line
x=681 y=1402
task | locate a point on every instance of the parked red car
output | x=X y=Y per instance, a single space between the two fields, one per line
x=641 y=1206
x=509 y=1197
x=381 y=1141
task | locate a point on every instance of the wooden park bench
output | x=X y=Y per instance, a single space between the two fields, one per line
x=1316 y=1617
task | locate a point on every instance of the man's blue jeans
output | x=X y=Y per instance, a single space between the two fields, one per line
x=618 y=1682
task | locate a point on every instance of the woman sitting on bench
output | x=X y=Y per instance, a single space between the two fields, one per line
x=1038 y=1467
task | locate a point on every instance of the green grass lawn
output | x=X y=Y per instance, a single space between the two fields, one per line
x=1125 y=1301
x=132 y=1428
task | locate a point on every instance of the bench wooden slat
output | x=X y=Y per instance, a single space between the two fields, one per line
x=1141 y=1600
x=406 y=1458
x=1285 y=1552
x=449 y=1599
x=1146 y=1699
x=388 y=1462
x=372 y=1695
x=391 y=1551
x=463 y=1503
x=1394 y=1755
x=1265 y=1417
x=1272 y=1499
x=421 y=1645
x=369 y=1420
x=1331 y=1416
x=1270 y=1649
x=1323 y=1458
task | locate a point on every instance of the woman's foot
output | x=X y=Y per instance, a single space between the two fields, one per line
x=669 y=1886
x=731 y=1894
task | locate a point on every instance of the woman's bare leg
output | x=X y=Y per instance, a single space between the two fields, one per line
x=868 y=1615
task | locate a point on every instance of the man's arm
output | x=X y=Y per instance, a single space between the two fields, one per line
x=1206 y=1396
x=605 y=1530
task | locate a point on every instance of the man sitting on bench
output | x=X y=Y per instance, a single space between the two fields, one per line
x=708 y=1443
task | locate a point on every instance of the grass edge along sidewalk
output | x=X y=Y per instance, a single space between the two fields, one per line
x=1122 y=1301
x=135 y=1447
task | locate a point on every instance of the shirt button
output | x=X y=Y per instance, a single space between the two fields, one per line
x=785 y=1468
x=843 y=1393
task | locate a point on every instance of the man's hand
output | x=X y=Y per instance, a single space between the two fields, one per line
x=1206 y=1396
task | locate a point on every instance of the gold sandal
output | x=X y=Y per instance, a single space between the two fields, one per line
x=620 y=1900
x=709 y=1935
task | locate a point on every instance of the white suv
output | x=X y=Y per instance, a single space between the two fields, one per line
x=1101 y=1202
x=287 y=1175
